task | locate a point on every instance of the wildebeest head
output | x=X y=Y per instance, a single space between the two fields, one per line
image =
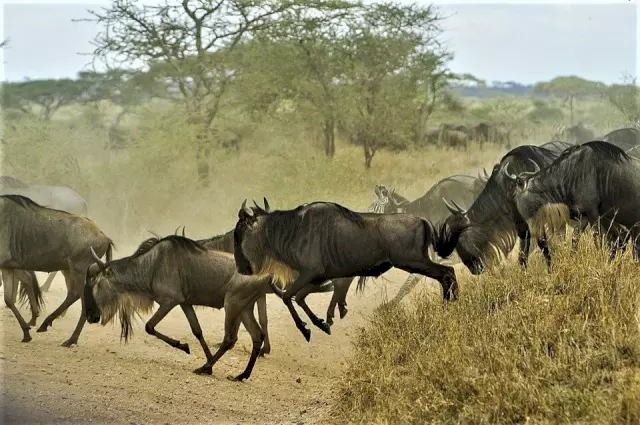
x=102 y=299
x=247 y=244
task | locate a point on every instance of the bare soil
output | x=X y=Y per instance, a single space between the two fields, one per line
x=103 y=380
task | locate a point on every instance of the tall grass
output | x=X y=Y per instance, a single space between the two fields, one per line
x=519 y=346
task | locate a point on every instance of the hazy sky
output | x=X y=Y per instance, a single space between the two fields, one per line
x=517 y=40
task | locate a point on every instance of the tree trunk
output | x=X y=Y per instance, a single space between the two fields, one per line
x=329 y=129
x=571 y=109
x=369 y=152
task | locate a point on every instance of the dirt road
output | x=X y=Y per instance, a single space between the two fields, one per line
x=147 y=382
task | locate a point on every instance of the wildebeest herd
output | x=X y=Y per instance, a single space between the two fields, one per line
x=532 y=192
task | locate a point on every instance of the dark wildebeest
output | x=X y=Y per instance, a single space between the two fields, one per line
x=595 y=183
x=452 y=137
x=340 y=288
x=61 y=198
x=322 y=240
x=488 y=230
x=627 y=139
x=176 y=271
x=480 y=132
x=459 y=188
x=42 y=239
x=575 y=134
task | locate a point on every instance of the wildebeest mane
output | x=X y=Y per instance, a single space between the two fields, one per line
x=222 y=242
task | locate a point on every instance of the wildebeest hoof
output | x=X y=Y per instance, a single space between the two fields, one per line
x=26 y=337
x=238 y=378
x=184 y=347
x=343 y=311
x=306 y=332
x=43 y=327
x=31 y=323
x=68 y=343
x=326 y=328
x=204 y=370
x=264 y=351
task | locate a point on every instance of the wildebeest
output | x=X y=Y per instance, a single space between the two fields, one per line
x=627 y=139
x=595 y=183
x=323 y=240
x=453 y=137
x=574 y=134
x=61 y=198
x=459 y=188
x=33 y=237
x=176 y=271
x=488 y=229
x=340 y=288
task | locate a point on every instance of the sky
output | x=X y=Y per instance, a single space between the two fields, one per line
x=509 y=41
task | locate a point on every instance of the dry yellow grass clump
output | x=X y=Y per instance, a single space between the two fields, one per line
x=517 y=347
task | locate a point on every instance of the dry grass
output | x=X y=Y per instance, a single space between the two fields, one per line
x=536 y=347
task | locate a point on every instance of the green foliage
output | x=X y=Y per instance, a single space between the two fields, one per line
x=569 y=88
x=543 y=112
x=625 y=98
x=47 y=95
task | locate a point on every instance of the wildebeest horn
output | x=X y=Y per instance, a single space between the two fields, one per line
x=245 y=209
x=175 y=233
x=535 y=164
x=97 y=259
x=485 y=173
x=457 y=209
x=183 y=227
x=267 y=207
x=258 y=208
x=505 y=170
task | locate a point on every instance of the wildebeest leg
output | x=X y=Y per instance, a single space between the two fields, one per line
x=10 y=286
x=286 y=297
x=264 y=322
x=31 y=295
x=340 y=290
x=150 y=327
x=68 y=302
x=525 y=246
x=446 y=275
x=231 y=326
x=406 y=287
x=76 y=280
x=301 y=296
x=250 y=324
x=544 y=247
x=47 y=283
x=196 y=329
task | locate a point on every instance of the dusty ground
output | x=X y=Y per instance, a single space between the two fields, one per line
x=146 y=381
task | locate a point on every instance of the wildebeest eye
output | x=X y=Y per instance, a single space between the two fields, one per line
x=108 y=273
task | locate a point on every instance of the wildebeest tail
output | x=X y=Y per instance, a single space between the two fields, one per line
x=362 y=280
x=23 y=295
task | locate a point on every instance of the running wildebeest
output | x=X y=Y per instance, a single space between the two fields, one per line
x=323 y=240
x=33 y=237
x=488 y=229
x=176 y=271
x=627 y=139
x=460 y=188
x=340 y=288
x=596 y=183
x=60 y=198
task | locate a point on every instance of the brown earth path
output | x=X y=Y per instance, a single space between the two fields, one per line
x=104 y=381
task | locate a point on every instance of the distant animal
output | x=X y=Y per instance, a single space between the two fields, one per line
x=176 y=271
x=460 y=188
x=480 y=132
x=595 y=183
x=627 y=139
x=60 y=198
x=33 y=237
x=323 y=240
x=574 y=134
x=556 y=146
x=452 y=137
x=487 y=231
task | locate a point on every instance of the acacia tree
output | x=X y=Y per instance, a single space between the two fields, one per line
x=395 y=59
x=49 y=95
x=569 y=88
x=187 y=41
x=625 y=98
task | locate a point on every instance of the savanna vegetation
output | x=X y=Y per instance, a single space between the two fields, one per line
x=207 y=103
